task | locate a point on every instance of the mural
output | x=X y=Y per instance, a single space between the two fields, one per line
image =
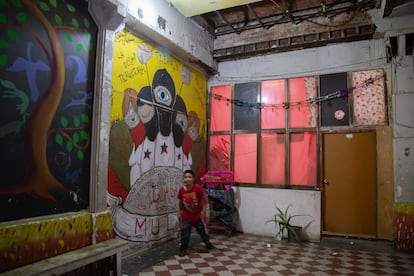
x=157 y=132
x=46 y=91
x=28 y=242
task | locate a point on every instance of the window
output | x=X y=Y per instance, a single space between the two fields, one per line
x=267 y=132
x=272 y=140
x=334 y=111
x=362 y=104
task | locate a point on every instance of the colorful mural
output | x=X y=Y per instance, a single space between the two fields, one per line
x=28 y=242
x=157 y=131
x=46 y=91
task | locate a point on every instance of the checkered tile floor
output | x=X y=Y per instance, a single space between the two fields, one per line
x=243 y=254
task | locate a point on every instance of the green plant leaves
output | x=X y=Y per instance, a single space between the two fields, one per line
x=53 y=3
x=75 y=23
x=76 y=122
x=84 y=135
x=71 y=8
x=69 y=146
x=68 y=36
x=86 y=23
x=21 y=16
x=282 y=220
x=78 y=135
x=58 y=20
x=64 y=121
x=59 y=139
x=80 y=155
x=85 y=118
x=79 y=47
x=12 y=34
x=43 y=6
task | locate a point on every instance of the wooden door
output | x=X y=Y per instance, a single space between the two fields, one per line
x=349 y=188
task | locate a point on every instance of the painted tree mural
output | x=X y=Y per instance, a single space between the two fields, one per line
x=46 y=85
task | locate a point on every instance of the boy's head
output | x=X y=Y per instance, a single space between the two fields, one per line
x=188 y=178
x=189 y=171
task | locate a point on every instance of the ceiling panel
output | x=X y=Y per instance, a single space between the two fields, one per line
x=195 y=7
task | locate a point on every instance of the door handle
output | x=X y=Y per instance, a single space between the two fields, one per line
x=325 y=181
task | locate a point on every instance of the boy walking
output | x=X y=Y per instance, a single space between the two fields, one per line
x=191 y=209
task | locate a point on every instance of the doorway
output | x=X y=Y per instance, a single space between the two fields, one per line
x=349 y=184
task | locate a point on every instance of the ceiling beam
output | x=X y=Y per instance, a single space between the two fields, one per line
x=255 y=15
x=227 y=22
x=284 y=10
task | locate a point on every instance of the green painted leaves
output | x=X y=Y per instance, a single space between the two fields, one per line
x=72 y=135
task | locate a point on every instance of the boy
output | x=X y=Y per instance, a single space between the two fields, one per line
x=191 y=209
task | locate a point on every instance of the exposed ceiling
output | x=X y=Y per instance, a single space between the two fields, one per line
x=245 y=28
x=196 y=7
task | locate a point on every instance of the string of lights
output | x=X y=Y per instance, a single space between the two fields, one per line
x=337 y=94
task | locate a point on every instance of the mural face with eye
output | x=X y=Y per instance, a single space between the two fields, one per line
x=129 y=108
x=131 y=118
x=163 y=95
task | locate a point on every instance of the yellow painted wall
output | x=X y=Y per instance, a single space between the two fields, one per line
x=23 y=243
x=129 y=72
x=158 y=130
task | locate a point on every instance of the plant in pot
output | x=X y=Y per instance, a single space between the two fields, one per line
x=282 y=219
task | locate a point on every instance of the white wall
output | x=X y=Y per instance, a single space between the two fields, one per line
x=403 y=114
x=256 y=203
x=256 y=206
x=335 y=58
x=184 y=38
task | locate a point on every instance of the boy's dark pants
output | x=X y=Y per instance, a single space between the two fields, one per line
x=186 y=232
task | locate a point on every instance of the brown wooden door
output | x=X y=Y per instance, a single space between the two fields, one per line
x=349 y=188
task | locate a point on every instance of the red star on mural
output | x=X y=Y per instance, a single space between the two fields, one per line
x=147 y=154
x=164 y=148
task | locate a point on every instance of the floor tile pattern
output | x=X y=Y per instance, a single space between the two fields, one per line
x=243 y=254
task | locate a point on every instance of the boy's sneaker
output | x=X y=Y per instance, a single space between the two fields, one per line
x=209 y=245
x=182 y=253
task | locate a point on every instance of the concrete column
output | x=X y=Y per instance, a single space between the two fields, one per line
x=108 y=16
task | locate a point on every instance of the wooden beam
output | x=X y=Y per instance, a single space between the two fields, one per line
x=227 y=22
x=284 y=10
x=255 y=15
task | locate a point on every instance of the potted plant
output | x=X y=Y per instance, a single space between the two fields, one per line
x=282 y=219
